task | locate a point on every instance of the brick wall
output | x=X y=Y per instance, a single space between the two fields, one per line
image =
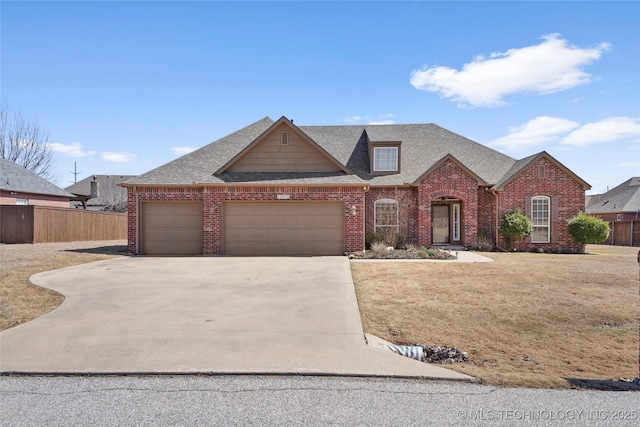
x=624 y=216
x=407 y=209
x=6 y=198
x=448 y=180
x=486 y=212
x=212 y=199
x=555 y=184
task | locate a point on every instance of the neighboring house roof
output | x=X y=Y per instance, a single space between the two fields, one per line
x=623 y=198
x=107 y=185
x=422 y=146
x=14 y=177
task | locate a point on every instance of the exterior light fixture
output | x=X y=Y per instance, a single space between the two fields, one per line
x=353 y=210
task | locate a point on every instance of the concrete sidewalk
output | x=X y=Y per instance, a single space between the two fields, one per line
x=204 y=315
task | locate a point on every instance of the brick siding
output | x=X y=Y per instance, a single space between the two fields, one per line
x=6 y=198
x=212 y=199
x=448 y=180
x=568 y=192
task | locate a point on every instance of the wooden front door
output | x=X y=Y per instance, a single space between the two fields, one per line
x=440 y=223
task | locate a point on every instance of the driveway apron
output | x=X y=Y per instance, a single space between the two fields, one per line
x=203 y=315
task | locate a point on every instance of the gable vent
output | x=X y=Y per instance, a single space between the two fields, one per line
x=284 y=138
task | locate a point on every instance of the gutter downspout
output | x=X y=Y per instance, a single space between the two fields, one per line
x=365 y=189
x=135 y=189
x=495 y=193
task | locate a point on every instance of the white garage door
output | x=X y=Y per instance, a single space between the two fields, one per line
x=172 y=228
x=284 y=228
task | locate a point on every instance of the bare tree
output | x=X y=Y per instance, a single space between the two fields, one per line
x=113 y=197
x=26 y=143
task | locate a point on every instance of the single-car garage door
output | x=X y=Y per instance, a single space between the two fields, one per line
x=284 y=228
x=172 y=228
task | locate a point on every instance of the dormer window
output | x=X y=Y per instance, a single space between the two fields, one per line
x=384 y=157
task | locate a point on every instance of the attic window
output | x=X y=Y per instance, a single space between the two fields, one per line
x=540 y=171
x=385 y=159
x=284 y=138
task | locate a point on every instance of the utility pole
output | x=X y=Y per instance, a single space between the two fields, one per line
x=75 y=173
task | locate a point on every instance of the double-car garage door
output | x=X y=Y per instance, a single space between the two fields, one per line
x=249 y=228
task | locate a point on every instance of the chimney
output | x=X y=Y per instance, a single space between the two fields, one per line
x=94 y=188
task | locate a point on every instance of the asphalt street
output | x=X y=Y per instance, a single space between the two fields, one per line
x=296 y=400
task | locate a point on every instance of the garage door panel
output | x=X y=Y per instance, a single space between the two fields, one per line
x=284 y=228
x=172 y=228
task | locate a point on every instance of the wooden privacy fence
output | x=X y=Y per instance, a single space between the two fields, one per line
x=40 y=224
x=624 y=233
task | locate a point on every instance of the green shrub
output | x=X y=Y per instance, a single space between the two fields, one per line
x=514 y=225
x=587 y=229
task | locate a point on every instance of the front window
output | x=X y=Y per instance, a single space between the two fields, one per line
x=540 y=219
x=385 y=159
x=386 y=215
x=456 y=222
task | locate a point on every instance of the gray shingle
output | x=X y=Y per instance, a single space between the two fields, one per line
x=14 y=177
x=423 y=145
x=623 y=198
x=108 y=183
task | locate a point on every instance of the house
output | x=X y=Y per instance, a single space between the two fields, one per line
x=621 y=203
x=19 y=186
x=275 y=188
x=100 y=193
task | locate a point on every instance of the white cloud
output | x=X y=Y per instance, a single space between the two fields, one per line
x=610 y=129
x=119 y=157
x=353 y=119
x=182 y=150
x=551 y=66
x=71 y=150
x=382 y=119
x=629 y=164
x=538 y=131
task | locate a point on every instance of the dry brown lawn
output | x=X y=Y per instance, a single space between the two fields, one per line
x=20 y=301
x=526 y=319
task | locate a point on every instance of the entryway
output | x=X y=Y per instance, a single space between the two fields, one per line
x=446 y=221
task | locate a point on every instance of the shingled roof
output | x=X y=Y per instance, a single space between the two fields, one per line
x=105 y=183
x=14 y=177
x=422 y=147
x=623 y=198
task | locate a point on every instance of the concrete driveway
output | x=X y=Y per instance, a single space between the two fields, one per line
x=203 y=315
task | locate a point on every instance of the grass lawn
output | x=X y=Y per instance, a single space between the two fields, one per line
x=526 y=319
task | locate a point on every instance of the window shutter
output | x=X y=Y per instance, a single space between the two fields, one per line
x=527 y=213
x=555 y=218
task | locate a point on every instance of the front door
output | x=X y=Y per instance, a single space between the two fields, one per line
x=440 y=221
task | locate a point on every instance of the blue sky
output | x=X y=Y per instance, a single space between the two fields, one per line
x=124 y=87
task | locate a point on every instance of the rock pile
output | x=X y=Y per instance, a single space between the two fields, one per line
x=444 y=354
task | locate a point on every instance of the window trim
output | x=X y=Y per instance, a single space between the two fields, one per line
x=375 y=215
x=376 y=156
x=535 y=226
